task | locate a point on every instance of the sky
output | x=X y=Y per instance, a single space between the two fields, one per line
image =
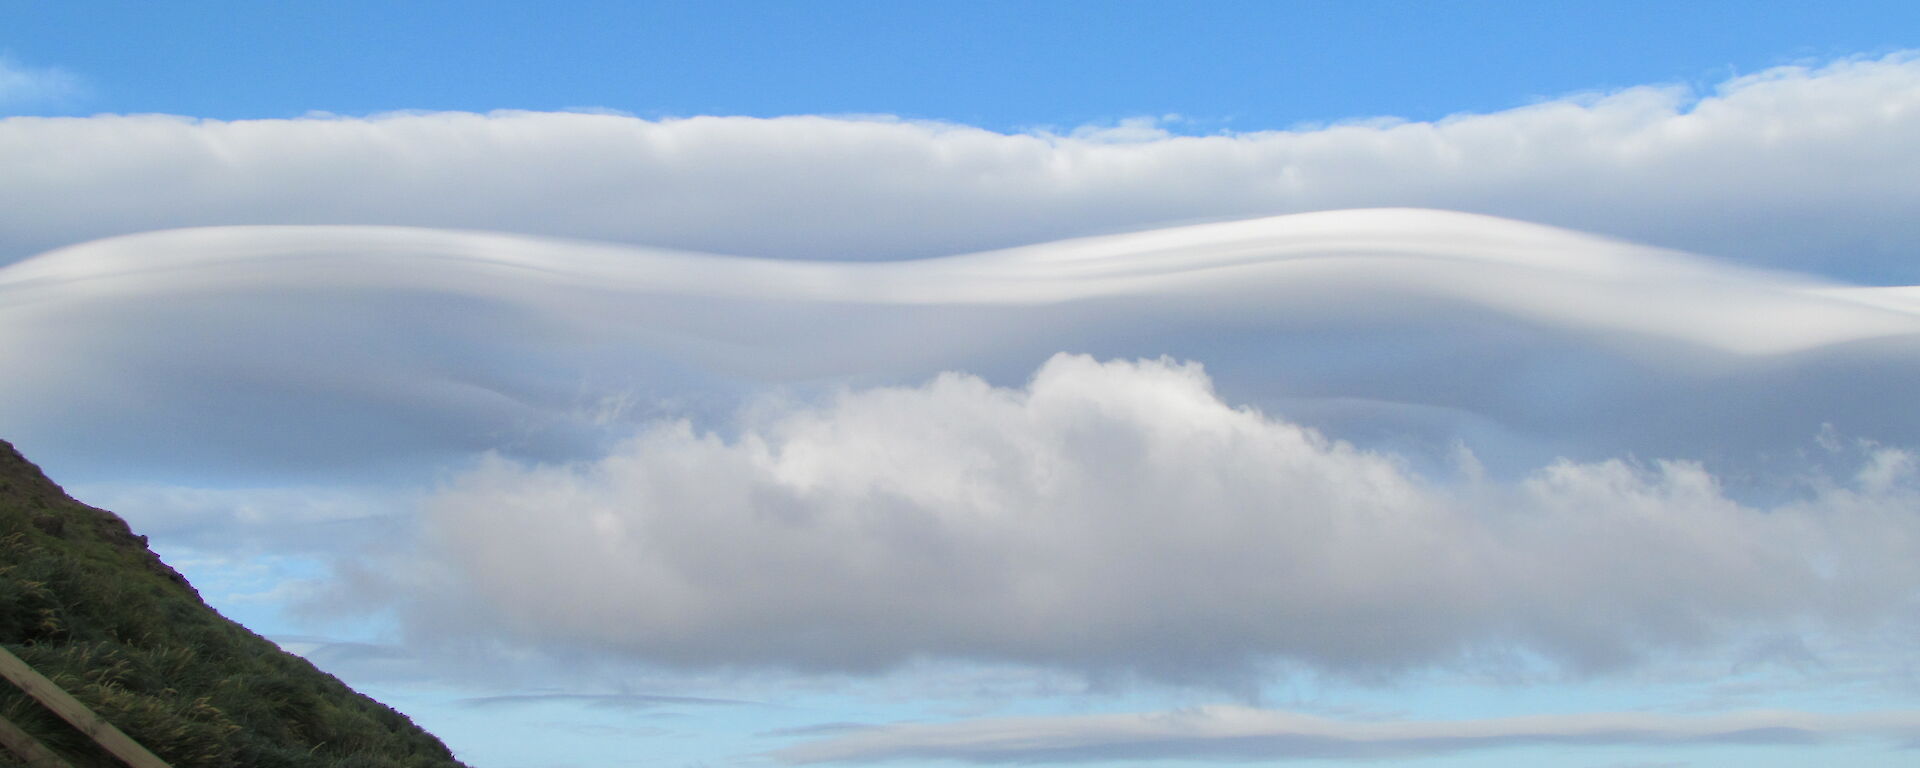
x=1125 y=383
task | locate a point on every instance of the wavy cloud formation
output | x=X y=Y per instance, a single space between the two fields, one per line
x=1237 y=734
x=1120 y=517
x=292 y=349
x=1800 y=167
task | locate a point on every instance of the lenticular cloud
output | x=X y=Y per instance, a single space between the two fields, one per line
x=1797 y=167
x=1120 y=516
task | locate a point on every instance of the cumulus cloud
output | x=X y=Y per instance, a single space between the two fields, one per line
x=1238 y=734
x=1804 y=167
x=1120 y=517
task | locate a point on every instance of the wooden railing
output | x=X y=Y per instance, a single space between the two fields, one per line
x=61 y=703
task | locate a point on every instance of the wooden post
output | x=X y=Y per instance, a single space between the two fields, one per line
x=70 y=709
x=29 y=749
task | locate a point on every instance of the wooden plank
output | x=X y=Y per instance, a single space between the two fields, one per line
x=29 y=749
x=70 y=709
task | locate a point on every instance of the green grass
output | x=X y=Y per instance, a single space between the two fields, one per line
x=86 y=603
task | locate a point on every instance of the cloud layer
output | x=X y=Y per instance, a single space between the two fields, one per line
x=1369 y=444
x=713 y=461
x=1120 y=517
x=1238 y=734
x=292 y=349
x=1800 y=167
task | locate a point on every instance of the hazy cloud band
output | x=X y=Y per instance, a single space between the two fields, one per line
x=1237 y=734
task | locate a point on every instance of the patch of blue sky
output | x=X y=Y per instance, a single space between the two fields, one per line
x=254 y=589
x=1008 y=66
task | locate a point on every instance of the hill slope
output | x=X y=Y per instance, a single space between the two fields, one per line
x=86 y=603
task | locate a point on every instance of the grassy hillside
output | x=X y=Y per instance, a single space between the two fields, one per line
x=86 y=603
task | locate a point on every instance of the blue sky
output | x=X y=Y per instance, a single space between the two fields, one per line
x=771 y=384
x=999 y=65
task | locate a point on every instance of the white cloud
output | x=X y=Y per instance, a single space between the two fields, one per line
x=1238 y=734
x=22 y=85
x=1800 y=167
x=1120 y=517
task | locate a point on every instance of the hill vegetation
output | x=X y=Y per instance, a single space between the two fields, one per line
x=86 y=603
